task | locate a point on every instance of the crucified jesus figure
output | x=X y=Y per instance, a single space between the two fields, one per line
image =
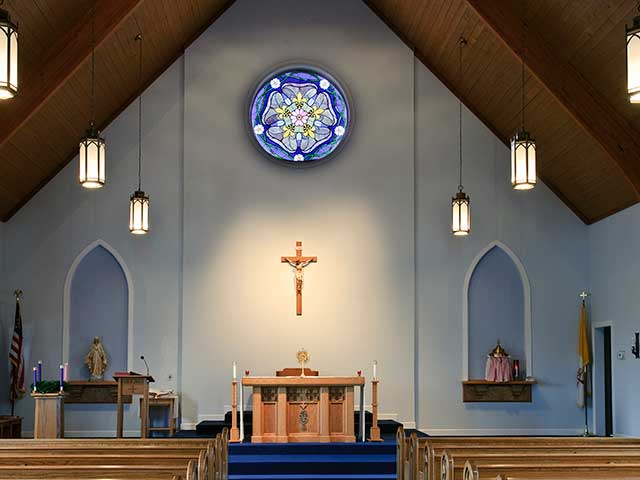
x=298 y=273
x=298 y=263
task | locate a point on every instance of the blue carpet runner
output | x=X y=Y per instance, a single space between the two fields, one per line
x=313 y=461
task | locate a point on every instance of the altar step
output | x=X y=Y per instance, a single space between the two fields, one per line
x=210 y=428
x=312 y=461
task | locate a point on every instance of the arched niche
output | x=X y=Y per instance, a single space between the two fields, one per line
x=98 y=300
x=498 y=263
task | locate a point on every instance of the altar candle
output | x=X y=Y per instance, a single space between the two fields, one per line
x=39 y=370
x=375 y=369
x=235 y=373
x=35 y=378
x=66 y=372
x=61 y=377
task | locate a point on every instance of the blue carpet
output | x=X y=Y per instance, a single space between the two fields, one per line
x=313 y=461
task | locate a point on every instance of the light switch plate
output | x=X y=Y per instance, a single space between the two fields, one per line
x=621 y=355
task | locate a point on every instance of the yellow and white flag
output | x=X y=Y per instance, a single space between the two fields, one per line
x=584 y=358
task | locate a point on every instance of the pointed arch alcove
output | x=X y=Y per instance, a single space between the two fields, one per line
x=98 y=300
x=499 y=266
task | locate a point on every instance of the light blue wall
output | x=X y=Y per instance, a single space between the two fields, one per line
x=496 y=310
x=208 y=285
x=99 y=307
x=614 y=286
x=548 y=239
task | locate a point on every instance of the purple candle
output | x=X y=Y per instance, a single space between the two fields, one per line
x=39 y=370
x=61 y=377
x=35 y=378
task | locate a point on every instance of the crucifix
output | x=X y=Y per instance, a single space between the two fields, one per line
x=298 y=263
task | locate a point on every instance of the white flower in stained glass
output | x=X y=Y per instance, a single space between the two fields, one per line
x=275 y=83
x=324 y=84
x=258 y=129
x=339 y=130
x=298 y=158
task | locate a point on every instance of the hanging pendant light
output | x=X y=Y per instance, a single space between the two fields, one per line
x=91 y=167
x=139 y=202
x=461 y=203
x=8 y=55
x=523 y=146
x=633 y=60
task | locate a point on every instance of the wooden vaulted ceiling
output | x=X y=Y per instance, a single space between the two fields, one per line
x=576 y=103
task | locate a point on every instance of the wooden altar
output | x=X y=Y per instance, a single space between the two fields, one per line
x=303 y=409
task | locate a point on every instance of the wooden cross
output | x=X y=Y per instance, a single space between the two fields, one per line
x=299 y=263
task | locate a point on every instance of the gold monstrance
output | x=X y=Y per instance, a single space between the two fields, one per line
x=303 y=357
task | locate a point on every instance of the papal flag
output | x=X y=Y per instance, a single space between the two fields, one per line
x=584 y=357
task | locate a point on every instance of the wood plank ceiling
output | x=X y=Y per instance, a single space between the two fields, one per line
x=576 y=103
x=41 y=127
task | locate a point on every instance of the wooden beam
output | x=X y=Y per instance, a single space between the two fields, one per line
x=578 y=97
x=62 y=59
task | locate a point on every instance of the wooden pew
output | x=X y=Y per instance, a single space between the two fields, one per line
x=430 y=449
x=540 y=454
x=602 y=472
x=91 y=472
x=540 y=466
x=165 y=457
x=115 y=451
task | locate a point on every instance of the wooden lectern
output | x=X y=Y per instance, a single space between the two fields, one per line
x=134 y=384
x=49 y=415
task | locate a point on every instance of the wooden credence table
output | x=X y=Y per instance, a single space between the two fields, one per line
x=304 y=409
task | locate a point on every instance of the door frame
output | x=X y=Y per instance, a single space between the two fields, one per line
x=594 y=397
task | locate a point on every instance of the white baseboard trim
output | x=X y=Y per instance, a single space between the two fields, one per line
x=501 y=431
x=89 y=433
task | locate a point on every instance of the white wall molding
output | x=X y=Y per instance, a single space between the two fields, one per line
x=66 y=304
x=526 y=290
x=501 y=431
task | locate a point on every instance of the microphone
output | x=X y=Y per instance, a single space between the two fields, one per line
x=146 y=364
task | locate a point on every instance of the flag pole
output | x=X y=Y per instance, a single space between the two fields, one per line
x=17 y=293
x=584 y=295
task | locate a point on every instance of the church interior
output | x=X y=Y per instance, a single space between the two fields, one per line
x=337 y=240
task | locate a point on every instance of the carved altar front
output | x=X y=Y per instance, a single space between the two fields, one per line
x=303 y=409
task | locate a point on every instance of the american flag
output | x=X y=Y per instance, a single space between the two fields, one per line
x=16 y=358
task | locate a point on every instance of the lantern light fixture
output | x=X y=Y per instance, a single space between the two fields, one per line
x=91 y=160
x=8 y=55
x=139 y=201
x=461 y=203
x=523 y=145
x=633 y=59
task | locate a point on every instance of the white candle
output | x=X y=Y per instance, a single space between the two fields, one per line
x=235 y=373
x=375 y=369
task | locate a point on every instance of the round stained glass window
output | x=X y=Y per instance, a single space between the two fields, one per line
x=300 y=116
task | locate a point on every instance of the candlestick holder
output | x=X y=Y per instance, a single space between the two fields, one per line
x=234 y=433
x=374 y=432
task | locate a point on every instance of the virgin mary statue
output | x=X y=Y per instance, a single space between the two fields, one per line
x=96 y=360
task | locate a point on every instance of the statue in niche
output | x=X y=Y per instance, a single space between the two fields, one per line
x=96 y=360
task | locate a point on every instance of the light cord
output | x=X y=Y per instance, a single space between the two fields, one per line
x=462 y=42
x=524 y=55
x=93 y=64
x=139 y=39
